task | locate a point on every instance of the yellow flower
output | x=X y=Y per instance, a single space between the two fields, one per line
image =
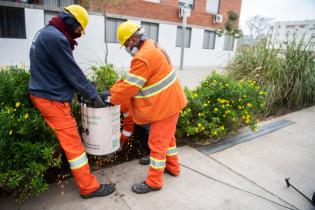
x=247 y=121
x=10 y=132
x=26 y=116
x=222 y=127
x=214 y=133
x=199 y=114
x=239 y=107
x=215 y=109
x=195 y=95
x=17 y=104
x=199 y=125
x=239 y=99
x=249 y=105
x=196 y=129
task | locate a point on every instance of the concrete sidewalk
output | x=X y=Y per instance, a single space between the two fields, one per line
x=247 y=176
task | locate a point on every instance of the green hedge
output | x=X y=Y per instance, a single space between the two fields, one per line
x=27 y=146
x=220 y=106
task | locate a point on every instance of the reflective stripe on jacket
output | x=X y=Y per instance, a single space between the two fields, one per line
x=151 y=86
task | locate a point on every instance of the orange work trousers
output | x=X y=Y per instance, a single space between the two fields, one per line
x=128 y=124
x=163 y=152
x=58 y=116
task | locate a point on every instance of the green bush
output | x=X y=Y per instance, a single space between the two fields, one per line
x=219 y=106
x=104 y=76
x=287 y=72
x=27 y=145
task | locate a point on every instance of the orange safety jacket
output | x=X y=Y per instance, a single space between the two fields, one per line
x=151 y=86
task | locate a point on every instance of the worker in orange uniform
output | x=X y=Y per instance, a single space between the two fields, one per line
x=155 y=97
x=128 y=124
x=54 y=77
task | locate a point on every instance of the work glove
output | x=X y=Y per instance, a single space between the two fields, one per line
x=106 y=98
x=98 y=102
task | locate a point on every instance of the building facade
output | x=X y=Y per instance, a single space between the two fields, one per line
x=293 y=30
x=21 y=19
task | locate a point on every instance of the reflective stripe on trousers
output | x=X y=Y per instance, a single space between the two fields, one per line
x=78 y=162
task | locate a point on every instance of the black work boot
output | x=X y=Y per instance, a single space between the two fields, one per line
x=103 y=190
x=145 y=160
x=143 y=188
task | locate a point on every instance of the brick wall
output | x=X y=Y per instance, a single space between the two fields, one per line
x=167 y=10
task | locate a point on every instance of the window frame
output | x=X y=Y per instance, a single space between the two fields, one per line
x=117 y=22
x=212 y=12
x=158 y=29
x=214 y=40
x=224 y=44
x=190 y=34
x=23 y=23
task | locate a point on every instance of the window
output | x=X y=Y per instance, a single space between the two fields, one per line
x=154 y=1
x=111 y=29
x=191 y=3
x=12 y=23
x=48 y=3
x=179 y=40
x=228 y=43
x=48 y=15
x=57 y=3
x=212 y=6
x=151 y=30
x=209 y=39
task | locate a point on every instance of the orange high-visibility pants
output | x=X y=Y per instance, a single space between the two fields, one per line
x=128 y=124
x=163 y=153
x=59 y=117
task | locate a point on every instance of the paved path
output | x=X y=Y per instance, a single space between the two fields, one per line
x=247 y=176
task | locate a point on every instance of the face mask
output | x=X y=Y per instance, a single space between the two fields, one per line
x=132 y=51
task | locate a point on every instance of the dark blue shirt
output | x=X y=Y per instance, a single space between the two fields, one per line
x=54 y=73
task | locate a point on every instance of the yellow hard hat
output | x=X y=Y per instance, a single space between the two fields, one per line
x=125 y=30
x=80 y=14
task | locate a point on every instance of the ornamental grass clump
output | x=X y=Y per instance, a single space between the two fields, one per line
x=286 y=71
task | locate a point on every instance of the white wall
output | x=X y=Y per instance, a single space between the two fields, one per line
x=91 y=48
x=16 y=51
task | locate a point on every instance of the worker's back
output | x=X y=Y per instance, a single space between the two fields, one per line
x=162 y=94
x=54 y=73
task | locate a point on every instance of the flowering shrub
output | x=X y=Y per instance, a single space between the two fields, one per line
x=27 y=145
x=220 y=106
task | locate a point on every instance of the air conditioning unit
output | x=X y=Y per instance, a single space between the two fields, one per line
x=218 y=18
x=184 y=11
